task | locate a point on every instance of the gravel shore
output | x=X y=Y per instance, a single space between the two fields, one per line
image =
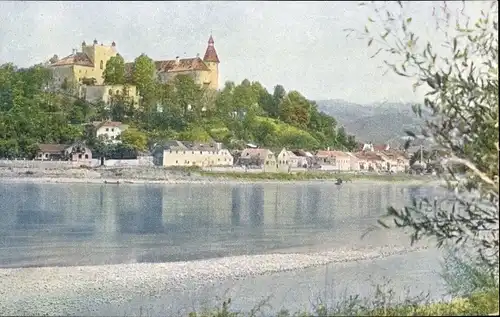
x=142 y=175
x=83 y=289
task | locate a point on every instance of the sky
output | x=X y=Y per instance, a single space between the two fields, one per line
x=300 y=45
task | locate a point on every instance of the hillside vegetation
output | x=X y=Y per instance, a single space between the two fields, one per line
x=30 y=113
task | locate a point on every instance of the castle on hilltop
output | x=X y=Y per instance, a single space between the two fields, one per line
x=84 y=70
x=204 y=71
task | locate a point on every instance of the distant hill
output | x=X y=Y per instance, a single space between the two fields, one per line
x=377 y=123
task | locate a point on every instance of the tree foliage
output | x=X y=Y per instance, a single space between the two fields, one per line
x=462 y=105
x=180 y=109
x=114 y=73
x=143 y=77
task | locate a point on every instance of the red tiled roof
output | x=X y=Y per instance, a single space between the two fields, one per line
x=79 y=58
x=52 y=148
x=106 y=123
x=211 y=53
x=185 y=64
x=255 y=153
x=332 y=153
x=369 y=156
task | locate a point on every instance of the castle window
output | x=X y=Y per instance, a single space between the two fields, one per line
x=102 y=65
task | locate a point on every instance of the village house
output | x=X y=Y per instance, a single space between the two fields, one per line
x=369 y=161
x=287 y=160
x=304 y=159
x=353 y=162
x=395 y=161
x=334 y=160
x=182 y=153
x=262 y=158
x=76 y=152
x=109 y=131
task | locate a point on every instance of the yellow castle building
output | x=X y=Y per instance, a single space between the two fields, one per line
x=204 y=71
x=84 y=71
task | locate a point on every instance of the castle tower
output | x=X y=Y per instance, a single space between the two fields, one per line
x=212 y=61
x=99 y=55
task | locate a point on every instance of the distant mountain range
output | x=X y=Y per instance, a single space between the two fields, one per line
x=378 y=123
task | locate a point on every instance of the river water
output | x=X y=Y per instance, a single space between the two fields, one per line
x=93 y=224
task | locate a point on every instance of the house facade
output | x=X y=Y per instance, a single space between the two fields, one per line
x=369 y=162
x=76 y=152
x=353 y=162
x=181 y=153
x=287 y=160
x=109 y=131
x=334 y=160
x=396 y=162
x=304 y=159
x=261 y=158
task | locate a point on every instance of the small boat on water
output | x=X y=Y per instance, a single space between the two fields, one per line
x=114 y=183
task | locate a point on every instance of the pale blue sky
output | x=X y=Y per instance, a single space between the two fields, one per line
x=300 y=45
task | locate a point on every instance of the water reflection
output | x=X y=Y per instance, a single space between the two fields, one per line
x=235 y=206
x=178 y=222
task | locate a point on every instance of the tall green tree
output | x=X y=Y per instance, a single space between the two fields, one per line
x=143 y=77
x=294 y=109
x=114 y=73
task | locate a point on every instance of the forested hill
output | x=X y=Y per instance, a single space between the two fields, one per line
x=378 y=123
x=237 y=114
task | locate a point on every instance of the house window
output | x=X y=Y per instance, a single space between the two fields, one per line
x=86 y=156
x=107 y=129
x=102 y=65
x=112 y=129
x=46 y=155
x=192 y=152
x=176 y=162
x=201 y=152
x=176 y=151
x=79 y=156
x=110 y=92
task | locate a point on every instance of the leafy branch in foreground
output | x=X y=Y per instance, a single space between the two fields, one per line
x=460 y=109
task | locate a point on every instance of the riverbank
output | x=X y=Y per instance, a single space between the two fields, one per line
x=105 y=290
x=148 y=175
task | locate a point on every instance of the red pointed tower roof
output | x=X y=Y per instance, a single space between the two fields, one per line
x=211 y=54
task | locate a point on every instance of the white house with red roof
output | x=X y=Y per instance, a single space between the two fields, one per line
x=109 y=131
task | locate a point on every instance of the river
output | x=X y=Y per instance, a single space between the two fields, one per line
x=61 y=225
